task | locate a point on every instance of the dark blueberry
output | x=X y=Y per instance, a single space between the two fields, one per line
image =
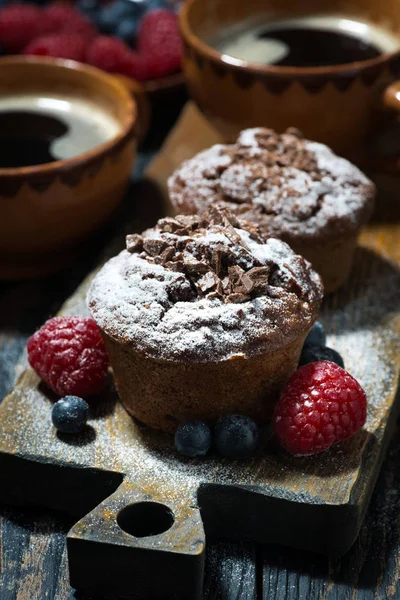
x=311 y=354
x=236 y=436
x=193 y=438
x=126 y=30
x=88 y=7
x=69 y=415
x=155 y=4
x=317 y=335
x=143 y=6
x=112 y=15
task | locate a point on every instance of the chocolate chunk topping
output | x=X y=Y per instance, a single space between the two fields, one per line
x=256 y=279
x=154 y=246
x=219 y=291
x=134 y=242
x=213 y=256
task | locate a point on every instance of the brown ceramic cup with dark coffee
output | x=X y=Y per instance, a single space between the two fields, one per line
x=323 y=66
x=68 y=136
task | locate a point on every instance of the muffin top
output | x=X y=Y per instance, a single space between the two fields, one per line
x=289 y=186
x=205 y=289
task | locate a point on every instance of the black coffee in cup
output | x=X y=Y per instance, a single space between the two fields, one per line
x=37 y=130
x=308 y=42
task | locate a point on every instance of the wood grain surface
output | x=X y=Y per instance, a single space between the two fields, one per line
x=33 y=555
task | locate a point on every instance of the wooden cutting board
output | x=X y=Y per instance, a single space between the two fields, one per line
x=144 y=511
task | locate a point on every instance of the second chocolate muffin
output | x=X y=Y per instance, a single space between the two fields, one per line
x=292 y=188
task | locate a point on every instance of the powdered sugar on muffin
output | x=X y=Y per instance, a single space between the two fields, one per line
x=204 y=289
x=289 y=186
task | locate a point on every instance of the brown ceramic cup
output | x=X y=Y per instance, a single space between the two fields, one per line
x=48 y=210
x=331 y=104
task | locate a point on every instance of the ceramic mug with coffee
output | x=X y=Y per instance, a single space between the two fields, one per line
x=323 y=66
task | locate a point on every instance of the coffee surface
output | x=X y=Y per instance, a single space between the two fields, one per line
x=311 y=41
x=39 y=130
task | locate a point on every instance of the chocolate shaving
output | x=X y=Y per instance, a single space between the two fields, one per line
x=256 y=279
x=167 y=254
x=237 y=298
x=208 y=282
x=210 y=268
x=134 y=242
x=194 y=266
x=235 y=274
x=190 y=222
x=169 y=225
x=154 y=246
x=216 y=259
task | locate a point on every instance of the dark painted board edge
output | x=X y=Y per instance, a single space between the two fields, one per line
x=75 y=490
x=135 y=573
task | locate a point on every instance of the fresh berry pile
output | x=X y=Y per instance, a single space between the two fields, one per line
x=136 y=38
x=68 y=353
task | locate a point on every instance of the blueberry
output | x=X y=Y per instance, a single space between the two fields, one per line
x=90 y=8
x=69 y=415
x=87 y=7
x=155 y=4
x=193 y=438
x=111 y=16
x=126 y=30
x=142 y=5
x=317 y=335
x=311 y=354
x=236 y=436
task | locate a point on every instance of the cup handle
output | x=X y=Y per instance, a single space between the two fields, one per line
x=391 y=96
x=386 y=164
x=143 y=105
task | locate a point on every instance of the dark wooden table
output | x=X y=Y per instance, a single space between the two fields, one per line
x=32 y=542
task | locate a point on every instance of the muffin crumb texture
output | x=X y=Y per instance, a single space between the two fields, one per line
x=289 y=186
x=204 y=289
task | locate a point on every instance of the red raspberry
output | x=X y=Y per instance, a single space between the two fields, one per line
x=108 y=53
x=160 y=41
x=64 y=18
x=69 y=354
x=134 y=66
x=19 y=24
x=321 y=406
x=59 y=45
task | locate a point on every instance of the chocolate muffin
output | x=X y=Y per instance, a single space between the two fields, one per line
x=292 y=188
x=201 y=317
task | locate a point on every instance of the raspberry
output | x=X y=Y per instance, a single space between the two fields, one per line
x=134 y=65
x=59 y=45
x=160 y=41
x=19 y=24
x=69 y=354
x=321 y=406
x=108 y=53
x=64 y=18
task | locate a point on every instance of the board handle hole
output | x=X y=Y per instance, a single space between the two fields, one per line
x=145 y=519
